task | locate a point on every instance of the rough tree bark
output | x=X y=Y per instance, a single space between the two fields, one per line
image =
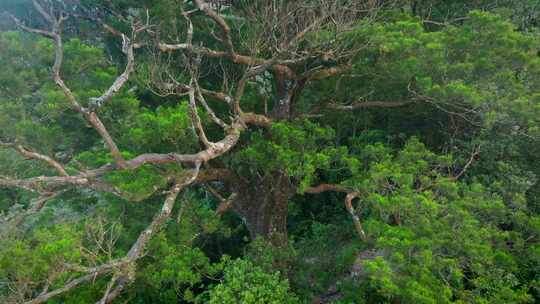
x=263 y=206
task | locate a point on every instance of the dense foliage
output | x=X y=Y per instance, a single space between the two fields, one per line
x=400 y=163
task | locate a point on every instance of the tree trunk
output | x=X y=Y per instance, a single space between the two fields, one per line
x=284 y=94
x=263 y=206
x=263 y=203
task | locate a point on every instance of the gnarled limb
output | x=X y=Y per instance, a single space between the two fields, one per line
x=351 y=195
x=251 y=72
x=356 y=105
x=367 y=104
x=88 y=113
x=226 y=31
x=127 y=48
x=137 y=249
x=473 y=156
x=91 y=274
x=69 y=286
x=31 y=30
x=250 y=118
x=352 y=212
x=91 y=117
x=196 y=120
x=279 y=66
x=136 y=252
x=45 y=184
x=227 y=40
x=90 y=179
x=34 y=155
x=327 y=187
x=255 y=119
x=211 y=112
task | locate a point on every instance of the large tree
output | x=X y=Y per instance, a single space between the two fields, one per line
x=265 y=103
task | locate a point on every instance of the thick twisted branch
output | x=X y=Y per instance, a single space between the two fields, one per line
x=136 y=252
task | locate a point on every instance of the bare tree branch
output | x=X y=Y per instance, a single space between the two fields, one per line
x=475 y=153
x=212 y=114
x=137 y=249
x=34 y=155
x=354 y=216
x=70 y=285
x=327 y=187
x=278 y=66
x=127 y=47
x=196 y=120
x=135 y=253
x=227 y=40
x=90 y=116
x=351 y=195
x=43 y=12
x=367 y=104
x=203 y=6
x=31 y=30
x=322 y=73
x=251 y=118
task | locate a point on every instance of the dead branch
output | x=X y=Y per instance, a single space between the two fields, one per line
x=42 y=298
x=227 y=40
x=34 y=155
x=352 y=212
x=56 y=35
x=137 y=249
x=475 y=153
x=136 y=252
x=196 y=120
x=351 y=195
x=127 y=48
x=367 y=104
x=327 y=187
x=212 y=114
x=322 y=73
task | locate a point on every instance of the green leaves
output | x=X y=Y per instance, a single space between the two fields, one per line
x=440 y=240
x=175 y=269
x=299 y=148
x=244 y=282
x=44 y=255
x=164 y=130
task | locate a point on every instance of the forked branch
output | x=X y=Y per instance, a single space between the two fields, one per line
x=34 y=155
x=88 y=113
x=137 y=249
x=136 y=252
